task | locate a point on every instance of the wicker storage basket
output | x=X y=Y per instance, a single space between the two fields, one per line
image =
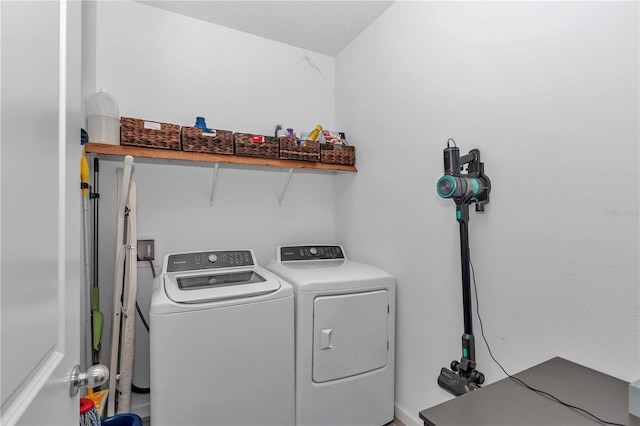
x=213 y=142
x=249 y=145
x=337 y=154
x=149 y=134
x=308 y=151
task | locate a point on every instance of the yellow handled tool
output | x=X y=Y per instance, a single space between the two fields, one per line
x=84 y=174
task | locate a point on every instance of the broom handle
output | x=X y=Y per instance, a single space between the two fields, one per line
x=84 y=178
x=95 y=296
x=96 y=199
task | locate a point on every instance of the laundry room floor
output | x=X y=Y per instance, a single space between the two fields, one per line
x=395 y=422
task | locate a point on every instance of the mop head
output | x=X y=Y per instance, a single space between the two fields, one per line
x=88 y=414
x=98 y=399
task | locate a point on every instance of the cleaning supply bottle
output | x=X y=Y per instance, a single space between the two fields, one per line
x=201 y=124
x=103 y=118
x=315 y=132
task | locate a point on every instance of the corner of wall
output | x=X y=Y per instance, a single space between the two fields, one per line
x=88 y=51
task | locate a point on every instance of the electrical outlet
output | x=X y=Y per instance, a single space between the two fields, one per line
x=156 y=252
x=146 y=250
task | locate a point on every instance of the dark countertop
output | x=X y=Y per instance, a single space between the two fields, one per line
x=510 y=404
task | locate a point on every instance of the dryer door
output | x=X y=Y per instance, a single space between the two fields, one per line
x=350 y=334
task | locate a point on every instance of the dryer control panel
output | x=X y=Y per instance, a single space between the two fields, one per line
x=289 y=253
x=197 y=261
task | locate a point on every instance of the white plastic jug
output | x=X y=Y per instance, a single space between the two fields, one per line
x=103 y=118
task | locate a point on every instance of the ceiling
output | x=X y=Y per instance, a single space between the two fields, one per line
x=324 y=27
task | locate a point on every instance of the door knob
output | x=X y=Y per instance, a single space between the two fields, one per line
x=95 y=375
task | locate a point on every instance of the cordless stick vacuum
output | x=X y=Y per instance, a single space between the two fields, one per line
x=464 y=189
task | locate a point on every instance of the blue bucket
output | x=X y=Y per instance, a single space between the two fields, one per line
x=124 y=419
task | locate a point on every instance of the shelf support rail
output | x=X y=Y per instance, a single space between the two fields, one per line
x=214 y=183
x=286 y=185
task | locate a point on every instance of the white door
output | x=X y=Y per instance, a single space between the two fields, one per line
x=40 y=211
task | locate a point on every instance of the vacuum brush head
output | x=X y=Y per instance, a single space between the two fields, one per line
x=456 y=384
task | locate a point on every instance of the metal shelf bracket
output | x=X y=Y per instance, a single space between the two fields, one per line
x=286 y=185
x=213 y=183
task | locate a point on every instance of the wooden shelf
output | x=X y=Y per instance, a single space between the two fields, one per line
x=165 y=154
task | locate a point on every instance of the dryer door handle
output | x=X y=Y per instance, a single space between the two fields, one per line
x=325 y=339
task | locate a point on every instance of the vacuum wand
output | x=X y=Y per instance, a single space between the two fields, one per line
x=464 y=189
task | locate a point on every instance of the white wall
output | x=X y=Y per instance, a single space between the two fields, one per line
x=166 y=67
x=549 y=94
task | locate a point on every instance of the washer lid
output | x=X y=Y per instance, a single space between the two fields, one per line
x=210 y=286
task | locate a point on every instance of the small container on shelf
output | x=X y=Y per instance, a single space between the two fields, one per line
x=211 y=141
x=149 y=134
x=337 y=154
x=103 y=118
x=305 y=151
x=250 y=145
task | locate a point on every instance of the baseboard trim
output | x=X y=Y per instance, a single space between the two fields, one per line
x=405 y=416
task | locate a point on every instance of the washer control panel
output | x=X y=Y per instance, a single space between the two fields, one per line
x=197 y=261
x=289 y=253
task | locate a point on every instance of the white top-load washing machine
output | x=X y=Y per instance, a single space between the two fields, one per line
x=345 y=336
x=222 y=342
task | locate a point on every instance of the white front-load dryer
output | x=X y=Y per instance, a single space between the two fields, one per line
x=345 y=336
x=221 y=342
